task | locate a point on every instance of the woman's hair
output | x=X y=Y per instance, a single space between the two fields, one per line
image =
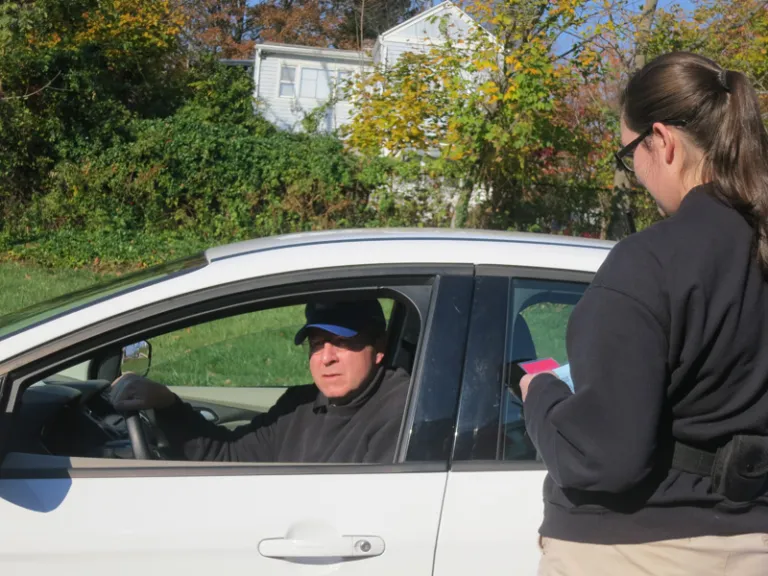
x=723 y=120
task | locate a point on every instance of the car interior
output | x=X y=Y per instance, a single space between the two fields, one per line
x=72 y=416
x=516 y=444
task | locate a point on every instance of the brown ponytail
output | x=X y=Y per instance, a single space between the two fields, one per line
x=723 y=120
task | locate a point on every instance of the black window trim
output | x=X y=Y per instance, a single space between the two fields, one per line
x=17 y=372
x=226 y=291
x=529 y=273
x=511 y=272
x=453 y=299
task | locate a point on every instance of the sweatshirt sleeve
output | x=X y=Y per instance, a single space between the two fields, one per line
x=192 y=437
x=603 y=437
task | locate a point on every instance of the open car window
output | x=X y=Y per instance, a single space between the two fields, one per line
x=252 y=350
x=230 y=364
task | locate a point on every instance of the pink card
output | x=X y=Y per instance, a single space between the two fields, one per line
x=536 y=366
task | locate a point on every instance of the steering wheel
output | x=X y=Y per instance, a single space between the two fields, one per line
x=137 y=435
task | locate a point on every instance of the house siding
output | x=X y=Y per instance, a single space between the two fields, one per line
x=394 y=50
x=419 y=36
x=287 y=112
x=430 y=27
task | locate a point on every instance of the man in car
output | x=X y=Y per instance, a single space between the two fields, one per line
x=351 y=413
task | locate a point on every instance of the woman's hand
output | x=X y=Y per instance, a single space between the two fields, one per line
x=525 y=382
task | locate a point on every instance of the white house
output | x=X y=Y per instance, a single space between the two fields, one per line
x=293 y=81
x=422 y=32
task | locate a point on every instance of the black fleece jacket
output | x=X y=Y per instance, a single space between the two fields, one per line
x=669 y=342
x=302 y=426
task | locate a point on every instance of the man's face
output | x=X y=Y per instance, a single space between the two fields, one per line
x=341 y=365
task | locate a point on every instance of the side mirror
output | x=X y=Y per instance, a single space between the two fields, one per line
x=136 y=358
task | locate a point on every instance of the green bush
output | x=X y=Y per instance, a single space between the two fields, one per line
x=212 y=172
x=120 y=148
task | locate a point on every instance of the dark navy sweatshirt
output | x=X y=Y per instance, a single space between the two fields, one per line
x=303 y=426
x=670 y=341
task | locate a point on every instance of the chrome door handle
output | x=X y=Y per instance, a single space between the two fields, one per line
x=342 y=547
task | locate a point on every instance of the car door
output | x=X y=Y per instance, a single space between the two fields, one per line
x=80 y=516
x=493 y=504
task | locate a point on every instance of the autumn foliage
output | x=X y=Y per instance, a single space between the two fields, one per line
x=118 y=125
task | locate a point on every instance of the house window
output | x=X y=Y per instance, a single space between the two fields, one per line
x=288 y=81
x=314 y=83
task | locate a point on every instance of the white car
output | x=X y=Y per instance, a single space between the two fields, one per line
x=463 y=495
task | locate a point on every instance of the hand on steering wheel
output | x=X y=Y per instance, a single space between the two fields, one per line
x=132 y=394
x=139 y=444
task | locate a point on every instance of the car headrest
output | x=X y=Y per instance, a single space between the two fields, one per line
x=522 y=347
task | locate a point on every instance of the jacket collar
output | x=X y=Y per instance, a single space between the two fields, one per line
x=355 y=399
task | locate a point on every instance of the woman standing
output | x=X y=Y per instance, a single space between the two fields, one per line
x=658 y=463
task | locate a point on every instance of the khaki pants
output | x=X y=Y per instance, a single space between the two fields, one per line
x=745 y=555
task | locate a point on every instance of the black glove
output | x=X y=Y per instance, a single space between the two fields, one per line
x=131 y=392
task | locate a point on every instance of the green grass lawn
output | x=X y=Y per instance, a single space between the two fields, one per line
x=254 y=349
x=547 y=323
x=22 y=286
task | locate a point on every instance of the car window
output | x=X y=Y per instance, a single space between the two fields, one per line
x=537 y=321
x=546 y=322
x=230 y=370
x=513 y=320
x=249 y=350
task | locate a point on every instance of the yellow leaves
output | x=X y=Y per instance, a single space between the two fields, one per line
x=129 y=25
x=489 y=88
x=50 y=42
x=486 y=64
x=455 y=154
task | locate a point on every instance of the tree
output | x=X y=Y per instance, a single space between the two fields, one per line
x=732 y=32
x=331 y=23
x=307 y=22
x=72 y=73
x=228 y=28
x=372 y=17
x=621 y=196
x=493 y=113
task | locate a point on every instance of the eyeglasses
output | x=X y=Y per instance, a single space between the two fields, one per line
x=625 y=158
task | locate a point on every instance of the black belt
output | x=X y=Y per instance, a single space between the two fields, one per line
x=693 y=460
x=738 y=470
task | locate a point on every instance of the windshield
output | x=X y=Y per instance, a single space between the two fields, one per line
x=47 y=310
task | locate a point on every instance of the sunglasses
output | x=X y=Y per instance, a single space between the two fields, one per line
x=625 y=158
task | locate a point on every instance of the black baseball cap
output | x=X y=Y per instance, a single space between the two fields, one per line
x=345 y=319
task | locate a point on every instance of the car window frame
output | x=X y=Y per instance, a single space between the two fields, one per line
x=35 y=364
x=480 y=401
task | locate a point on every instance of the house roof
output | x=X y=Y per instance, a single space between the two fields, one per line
x=443 y=6
x=427 y=14
x=297 y=50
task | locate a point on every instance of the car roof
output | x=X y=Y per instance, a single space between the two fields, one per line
x=276 y=255
x=395 y=234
